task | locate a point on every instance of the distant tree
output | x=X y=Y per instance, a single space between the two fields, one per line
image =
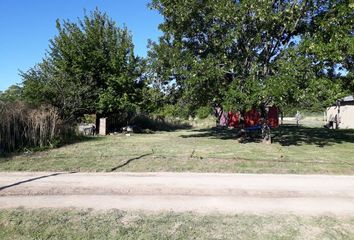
x=90 y=67
x=12 y=94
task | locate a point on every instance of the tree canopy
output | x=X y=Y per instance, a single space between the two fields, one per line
x=90 y=67
x=235 y=53
x=245 y=53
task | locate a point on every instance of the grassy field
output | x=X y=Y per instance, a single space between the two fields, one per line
x=114 y=224
x=301 y=149
x=305 y=149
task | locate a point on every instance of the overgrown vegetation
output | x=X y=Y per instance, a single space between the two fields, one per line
x=25 y=127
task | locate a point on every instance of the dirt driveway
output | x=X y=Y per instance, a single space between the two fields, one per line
x=197 y=192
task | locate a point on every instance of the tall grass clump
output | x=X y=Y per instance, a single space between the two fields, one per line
x=24 y=127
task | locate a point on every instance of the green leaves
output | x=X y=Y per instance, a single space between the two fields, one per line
x=90 y=67
x=244 y=53
x=12 y=94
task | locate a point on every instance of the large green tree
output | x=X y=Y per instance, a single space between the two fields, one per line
x=244 y=53
x=90 y=67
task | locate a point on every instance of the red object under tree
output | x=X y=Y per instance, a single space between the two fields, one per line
x=252 y=118
x=234 y=119
x=273 y=117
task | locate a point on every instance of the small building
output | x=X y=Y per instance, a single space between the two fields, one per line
x=341 y=115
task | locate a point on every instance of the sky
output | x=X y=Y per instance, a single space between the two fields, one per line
x=26 y=26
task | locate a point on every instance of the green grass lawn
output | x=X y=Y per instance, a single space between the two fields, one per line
x=308 y=150
x=294 y=150
x=115 y=224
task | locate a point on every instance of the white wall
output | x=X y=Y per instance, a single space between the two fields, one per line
x=331 y=113
x=346 y=117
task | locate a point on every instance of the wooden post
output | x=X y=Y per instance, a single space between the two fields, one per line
x=103 y=126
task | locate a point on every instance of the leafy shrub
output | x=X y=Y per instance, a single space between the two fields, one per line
x=174 y=111
x=89 y=118
x=203 y=112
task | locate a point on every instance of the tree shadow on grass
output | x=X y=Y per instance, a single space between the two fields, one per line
x=226 y=134
x=292 y=135
x=215 y=132
x=159 y=123
x=129 y=161
x=285 y=135
x=7 y=156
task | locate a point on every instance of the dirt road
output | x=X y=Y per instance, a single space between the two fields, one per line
x=199 y=192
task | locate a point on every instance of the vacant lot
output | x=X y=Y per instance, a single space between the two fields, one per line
x=294 y=150
x=311 y=149
x=114 y=224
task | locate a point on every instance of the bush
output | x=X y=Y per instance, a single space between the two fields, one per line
x=174 y=111
x=203 y=112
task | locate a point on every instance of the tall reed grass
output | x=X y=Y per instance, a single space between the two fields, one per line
x=24 y=127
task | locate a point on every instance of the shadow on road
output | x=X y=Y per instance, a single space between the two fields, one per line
x=31 y=180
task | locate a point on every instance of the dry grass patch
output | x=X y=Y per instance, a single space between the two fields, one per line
x=114 y=224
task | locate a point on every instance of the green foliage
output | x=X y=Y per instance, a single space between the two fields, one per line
x=176 y=110
x=89 y=68
x=12 y=94
x=89 y=118
x=331 y=37
x=203 y=112
x=245 y=53
x=152 y=100
x=330 y=42
x=169 y=110
x=299 y=84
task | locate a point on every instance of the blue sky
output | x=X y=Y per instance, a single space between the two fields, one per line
x=26 y=26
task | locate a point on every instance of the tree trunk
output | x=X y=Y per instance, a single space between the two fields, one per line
x=98 y=116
